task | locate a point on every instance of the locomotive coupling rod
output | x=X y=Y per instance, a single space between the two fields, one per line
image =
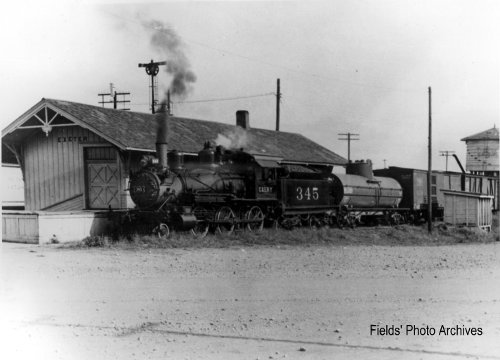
x=235 y=221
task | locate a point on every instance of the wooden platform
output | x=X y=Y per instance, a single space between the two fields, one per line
x=41 y=227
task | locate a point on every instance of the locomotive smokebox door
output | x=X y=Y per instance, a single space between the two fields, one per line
x=145 y=189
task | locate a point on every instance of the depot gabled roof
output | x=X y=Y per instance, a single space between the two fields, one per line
x=136 y=131
x=491 y=134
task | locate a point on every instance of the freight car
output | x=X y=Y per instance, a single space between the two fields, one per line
x=415 y=197
x=230 y=188
x=414 y=184
x=361 y=197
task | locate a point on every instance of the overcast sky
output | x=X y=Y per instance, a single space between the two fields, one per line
x=345 y=66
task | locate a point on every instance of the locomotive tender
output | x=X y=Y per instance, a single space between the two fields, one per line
x=229 y=188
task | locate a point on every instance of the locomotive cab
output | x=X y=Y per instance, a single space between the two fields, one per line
x=266 y=178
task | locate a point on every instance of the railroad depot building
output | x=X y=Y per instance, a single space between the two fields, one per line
x=76 y=161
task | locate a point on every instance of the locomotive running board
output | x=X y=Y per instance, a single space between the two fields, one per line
x=378 y=209
x=306 y=210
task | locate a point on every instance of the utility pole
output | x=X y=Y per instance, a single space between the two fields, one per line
x=429 y=171
x=349 y=137
x=446 y=153
x=152 y=69
x=278 y=100
x=114 y=96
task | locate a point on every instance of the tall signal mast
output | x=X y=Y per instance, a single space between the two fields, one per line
x=152 y=69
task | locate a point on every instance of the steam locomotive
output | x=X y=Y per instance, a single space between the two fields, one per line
x=230 y=188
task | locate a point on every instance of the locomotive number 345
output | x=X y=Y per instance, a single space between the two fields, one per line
x=307 y=193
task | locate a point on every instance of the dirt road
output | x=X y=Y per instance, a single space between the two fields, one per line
x=250 y=303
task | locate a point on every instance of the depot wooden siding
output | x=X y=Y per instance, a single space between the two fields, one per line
x=54 y=169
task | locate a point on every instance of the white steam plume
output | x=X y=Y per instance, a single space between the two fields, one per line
x=236 y=139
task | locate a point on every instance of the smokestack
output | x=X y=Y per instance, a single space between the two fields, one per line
x=161 y=139
x=243 y=119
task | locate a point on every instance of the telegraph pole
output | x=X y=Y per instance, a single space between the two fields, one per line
x=429 y=171
x=278 y=100
x=114 y=95
x=349 y=137
x=152 y=69
x=446 y=153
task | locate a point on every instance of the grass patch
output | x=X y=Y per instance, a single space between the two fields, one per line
x=402 y=235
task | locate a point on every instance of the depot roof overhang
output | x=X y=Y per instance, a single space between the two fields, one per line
x=132 y=131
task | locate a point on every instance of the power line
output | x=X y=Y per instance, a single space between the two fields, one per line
x=227 y=52
x=224 y=99
x=217 y=99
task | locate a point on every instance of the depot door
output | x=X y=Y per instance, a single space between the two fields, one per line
x=102 y=178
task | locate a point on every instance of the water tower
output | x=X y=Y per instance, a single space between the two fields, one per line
x=482 y=153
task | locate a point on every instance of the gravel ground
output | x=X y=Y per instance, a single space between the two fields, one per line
x=260 y=302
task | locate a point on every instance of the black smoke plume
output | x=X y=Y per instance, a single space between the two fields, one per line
x=166 y=41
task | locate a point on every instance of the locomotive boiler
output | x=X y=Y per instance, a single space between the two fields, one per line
x=150 y=188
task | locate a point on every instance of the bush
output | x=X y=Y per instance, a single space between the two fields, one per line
x=95 y=241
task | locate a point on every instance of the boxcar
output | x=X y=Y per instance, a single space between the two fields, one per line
x=414 y=183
